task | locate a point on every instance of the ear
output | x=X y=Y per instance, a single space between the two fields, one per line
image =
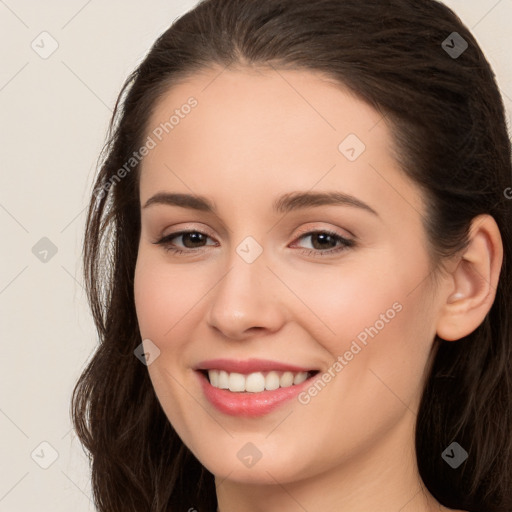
x=472 y=283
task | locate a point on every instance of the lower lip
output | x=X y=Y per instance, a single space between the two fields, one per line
x=249 y=404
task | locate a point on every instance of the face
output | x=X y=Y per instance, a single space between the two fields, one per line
x=266 y=286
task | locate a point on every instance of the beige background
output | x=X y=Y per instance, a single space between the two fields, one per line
x=54 y=115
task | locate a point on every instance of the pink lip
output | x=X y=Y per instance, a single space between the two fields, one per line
x=248 y=404
x=249 y=366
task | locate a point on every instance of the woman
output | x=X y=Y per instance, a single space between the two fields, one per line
x=240 y=370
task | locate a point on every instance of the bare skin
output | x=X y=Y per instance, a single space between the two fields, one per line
x=254 y=136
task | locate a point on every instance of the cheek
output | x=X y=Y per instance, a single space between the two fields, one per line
x=150 y=294
x=375 y=315
x=337 y=303
x=385 y=350
x=164 y=302
x=378 y=356
x=164 y=296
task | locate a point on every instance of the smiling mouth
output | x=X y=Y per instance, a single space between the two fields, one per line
x=256 y=382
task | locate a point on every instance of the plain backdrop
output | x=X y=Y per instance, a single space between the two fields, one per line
x=56 y=102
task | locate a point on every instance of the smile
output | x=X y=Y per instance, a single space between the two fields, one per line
x=255 y=382
x=251 y=388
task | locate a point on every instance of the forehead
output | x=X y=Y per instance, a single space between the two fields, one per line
x=269 y=129
x=264 y=101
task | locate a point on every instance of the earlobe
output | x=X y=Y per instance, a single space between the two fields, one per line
x=473 y=281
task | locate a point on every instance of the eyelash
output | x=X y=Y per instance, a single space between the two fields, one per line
x=346 y=243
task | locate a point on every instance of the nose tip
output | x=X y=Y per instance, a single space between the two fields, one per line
x=244 y=303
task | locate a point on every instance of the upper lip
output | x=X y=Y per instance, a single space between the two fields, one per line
x=248 y=366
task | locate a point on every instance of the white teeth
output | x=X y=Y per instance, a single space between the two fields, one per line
x=300 y=378
x=223 y=382
x=254 y=382
x=286 y=379
x=214 y=378
x=236 y=382
x=272 y=381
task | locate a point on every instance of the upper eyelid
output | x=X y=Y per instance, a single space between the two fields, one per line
x=302 y=231
x=311 y=230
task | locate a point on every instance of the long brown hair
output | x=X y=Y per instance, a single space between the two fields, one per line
x=448 y=122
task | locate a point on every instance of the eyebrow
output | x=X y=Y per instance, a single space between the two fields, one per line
x=284 y=204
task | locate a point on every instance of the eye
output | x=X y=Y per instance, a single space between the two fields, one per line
x=323 y=242
x=192 y=237
x=326 y=242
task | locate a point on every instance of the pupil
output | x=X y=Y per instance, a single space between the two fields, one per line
x=195 y=237
x=324 y=236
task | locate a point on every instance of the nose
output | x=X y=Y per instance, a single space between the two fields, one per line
x=247 y=300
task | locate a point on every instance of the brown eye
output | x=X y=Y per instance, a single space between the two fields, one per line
x=190 y=239
x=194 y=237
x=325 y=242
